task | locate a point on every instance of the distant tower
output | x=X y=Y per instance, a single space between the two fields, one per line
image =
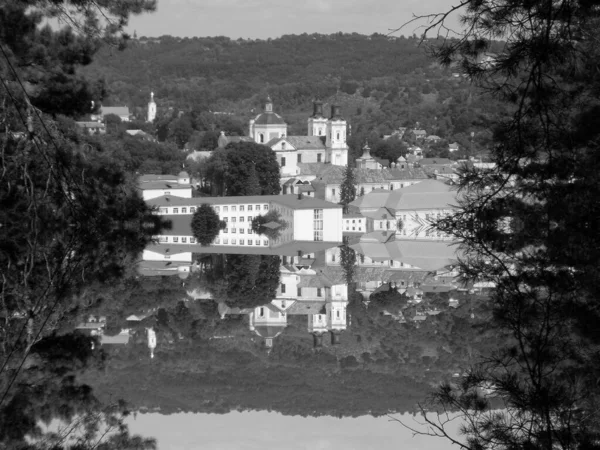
x=317 y=123
x=151 y=341
x=151 y=108
x=336 y=138
x=267 y=125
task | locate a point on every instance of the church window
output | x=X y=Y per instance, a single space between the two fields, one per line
x=320 y=131
x=283 y=146
x=338 y=314
x=299 y=158
x=282 y=162
x=338 y=136
x=261 y=138
x=299 y=292
x=318 y=157
x=318 y=292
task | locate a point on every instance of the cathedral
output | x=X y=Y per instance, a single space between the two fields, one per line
x=325 y=141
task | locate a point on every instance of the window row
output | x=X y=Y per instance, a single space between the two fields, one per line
x=183 y=210
x=234 y=241
x=238 y=230
x=240 y=208
x=177 y=239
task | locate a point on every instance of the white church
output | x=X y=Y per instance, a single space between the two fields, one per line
x=325 y=142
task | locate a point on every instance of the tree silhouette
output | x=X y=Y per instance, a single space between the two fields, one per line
x=206 y=224
x=348 y=188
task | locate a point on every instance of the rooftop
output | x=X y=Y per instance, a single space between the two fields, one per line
x=291 y=201
x=117 y=110
x=269 y=118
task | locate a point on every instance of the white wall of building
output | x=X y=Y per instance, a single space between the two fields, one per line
x=148 y=255
x=304 y=225
x=148 y=194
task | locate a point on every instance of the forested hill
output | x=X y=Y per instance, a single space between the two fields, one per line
x=205 y=73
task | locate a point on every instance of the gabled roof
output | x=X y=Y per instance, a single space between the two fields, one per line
x=291 y=201
x=302 y=307
x=404 y=174
x=307 y=142
x=428 y=194
x=374 y=199
x=426 y=161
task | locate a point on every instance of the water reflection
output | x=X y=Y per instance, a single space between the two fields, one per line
x=281 y=328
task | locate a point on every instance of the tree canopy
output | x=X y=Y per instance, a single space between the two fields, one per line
x=206 y=224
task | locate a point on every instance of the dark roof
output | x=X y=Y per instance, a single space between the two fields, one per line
x=287 y=249
x=269 y=118
x=291 y=201
x=307 y=142
x=426 y=161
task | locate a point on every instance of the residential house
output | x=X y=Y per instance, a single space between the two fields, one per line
x=454 y=147
x=92 y=127
x=417 y=206
x=121 y=111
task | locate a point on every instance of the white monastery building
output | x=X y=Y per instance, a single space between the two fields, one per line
x=308 y=220
x=325 y=141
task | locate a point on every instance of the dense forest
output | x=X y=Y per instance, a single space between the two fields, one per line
x=204 y=85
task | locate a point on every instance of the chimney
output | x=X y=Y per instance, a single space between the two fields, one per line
x=335 y=338
x=318 y=108
x=300 y=196
x=317 y=340
x=336 y=112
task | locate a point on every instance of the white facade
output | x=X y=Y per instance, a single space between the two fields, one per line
x=318 y=225
x=149 y=255
x=151 y=109
x=149 y=194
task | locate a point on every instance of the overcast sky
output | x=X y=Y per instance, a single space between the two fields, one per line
x=274 y=18
x=264 y=430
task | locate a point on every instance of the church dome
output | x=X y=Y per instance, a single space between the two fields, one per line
x=269 y=118
x=183 y=174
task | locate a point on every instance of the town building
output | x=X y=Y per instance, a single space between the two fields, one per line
x=414 y=208
x=304 y=216
x=92 y=127
x=325 y=141
x=121 y=111
x=153 y=186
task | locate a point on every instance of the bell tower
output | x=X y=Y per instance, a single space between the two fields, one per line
x=151 y=109
x=317 y=123
x=336 y=138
